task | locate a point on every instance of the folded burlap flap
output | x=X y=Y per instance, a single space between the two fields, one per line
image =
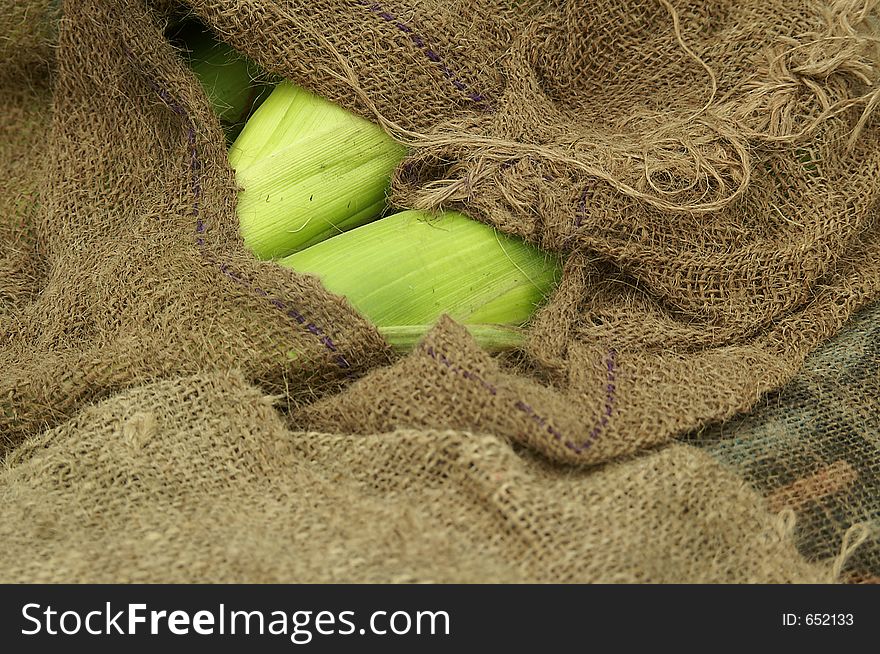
x=198 y=479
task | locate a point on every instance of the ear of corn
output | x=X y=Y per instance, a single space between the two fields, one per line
x=404 y=271
x=228 y=77
x=309 y=170
x=314 y=176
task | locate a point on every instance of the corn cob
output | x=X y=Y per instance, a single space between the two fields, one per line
x=404 y=271
x=231 y=80
x=309 y=170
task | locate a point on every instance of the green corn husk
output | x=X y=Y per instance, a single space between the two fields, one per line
x=494 y=338
x=231 y=80
x=309 y=170
x=404 y=271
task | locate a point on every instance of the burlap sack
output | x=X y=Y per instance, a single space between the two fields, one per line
x=709 y=169
x=197 y=479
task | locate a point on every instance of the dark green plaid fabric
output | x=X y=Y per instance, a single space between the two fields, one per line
x=815 y=446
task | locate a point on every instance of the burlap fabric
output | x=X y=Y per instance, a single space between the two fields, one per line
x=199 y=479
x=25 y=68
x=708 y=169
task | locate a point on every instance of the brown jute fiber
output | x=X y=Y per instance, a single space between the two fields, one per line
x=709 y=170
x=199 y=479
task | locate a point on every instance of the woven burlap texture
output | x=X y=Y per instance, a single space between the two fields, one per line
x=709 y=170
x=198 y=479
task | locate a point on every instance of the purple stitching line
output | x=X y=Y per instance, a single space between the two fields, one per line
x=610 y=395
x=467 y=374
x=290 y=311
x=195 y=166
x=421 y=43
